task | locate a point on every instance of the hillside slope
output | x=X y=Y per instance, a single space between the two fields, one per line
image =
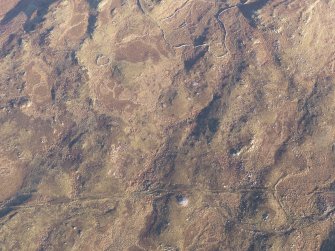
x=167 y=125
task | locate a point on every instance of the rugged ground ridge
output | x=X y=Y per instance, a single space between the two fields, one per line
x=167 y=125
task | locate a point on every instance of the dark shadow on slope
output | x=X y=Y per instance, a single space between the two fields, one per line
x=29 y=7
x=200 y=40
x=93 y=15
x=250 y=202
x=206 y=122
x=329 y=243
x=259 y=242
x=190 y=62
x=11 y=204
x=157 y=222
x=248 y=10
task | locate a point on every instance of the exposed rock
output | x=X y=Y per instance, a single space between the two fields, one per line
x=167 y=125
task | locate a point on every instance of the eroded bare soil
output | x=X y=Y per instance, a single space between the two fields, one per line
x=167 y=125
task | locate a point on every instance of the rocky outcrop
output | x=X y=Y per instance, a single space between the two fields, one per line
x=167 y=125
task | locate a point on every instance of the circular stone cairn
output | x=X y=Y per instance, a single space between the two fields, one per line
x=102 y=60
